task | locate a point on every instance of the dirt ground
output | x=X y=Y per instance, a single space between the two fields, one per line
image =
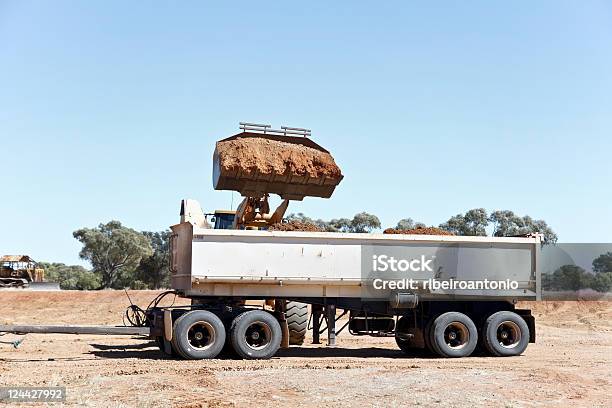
x=571 y=364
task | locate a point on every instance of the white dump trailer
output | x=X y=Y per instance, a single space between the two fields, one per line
x=441 y=294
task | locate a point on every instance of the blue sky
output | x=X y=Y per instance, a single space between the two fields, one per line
x=110 y=110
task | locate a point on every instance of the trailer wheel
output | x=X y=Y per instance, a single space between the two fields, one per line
x=256 y=334
x=409 y=339
x=427 y=337
x=505 y=334
x=297 y=320
x=453 y=334
x=401 y=328
x=198 y=334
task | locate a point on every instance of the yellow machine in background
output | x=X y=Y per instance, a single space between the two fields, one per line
x=19 y=271
x=260 y=161
x=257 y=162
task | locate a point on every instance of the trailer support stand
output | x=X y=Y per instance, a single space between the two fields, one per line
x=317 y=312
x=280 y=307
x=331 y=325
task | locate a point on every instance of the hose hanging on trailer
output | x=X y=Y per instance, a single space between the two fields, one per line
x=135 y=316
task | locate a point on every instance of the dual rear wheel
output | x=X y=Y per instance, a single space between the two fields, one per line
x=454 y=334
x=200 y=334
x=505 y=334
x=255 y=335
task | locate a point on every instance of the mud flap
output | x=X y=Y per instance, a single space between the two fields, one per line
x=530 y=320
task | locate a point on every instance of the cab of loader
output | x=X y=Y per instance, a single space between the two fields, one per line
x=260 y=161
x=223 y=219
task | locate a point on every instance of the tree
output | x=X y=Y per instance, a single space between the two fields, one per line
x=153 y=270
x=506 y=223
x=568 y=277
x=603 y=263
x=408 y=224
x=472 y=223
x=71 y=277
x=339 y=225
x=300 y=217
x=602 y=282
x=540 y=227
x=364 y=222
x=112 y=250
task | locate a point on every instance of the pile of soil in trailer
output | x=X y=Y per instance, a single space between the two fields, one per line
x=418 y=231
x=266 y=156
x=295 y=226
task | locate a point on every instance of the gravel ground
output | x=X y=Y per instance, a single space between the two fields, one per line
x=571 y=364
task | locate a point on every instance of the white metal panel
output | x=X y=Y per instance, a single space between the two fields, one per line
x=269 y=259
x=514 y=263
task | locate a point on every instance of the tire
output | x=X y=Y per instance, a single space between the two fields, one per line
x=404 y=345
x=401 y=327
x=413 y=345
x=297 y=320
x=256 y=334
x=427 y=336
x=505 y=334
x=228 y=351
x=453 y=334
x=198 y=334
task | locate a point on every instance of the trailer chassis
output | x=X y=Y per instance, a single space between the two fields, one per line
x=210 y=319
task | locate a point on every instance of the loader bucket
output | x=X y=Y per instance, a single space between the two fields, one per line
x=293 y=167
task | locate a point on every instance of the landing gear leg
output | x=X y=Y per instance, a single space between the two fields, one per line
x=331 y=325
x=317 y=312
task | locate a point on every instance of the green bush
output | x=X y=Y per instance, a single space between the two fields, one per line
x=73 y=277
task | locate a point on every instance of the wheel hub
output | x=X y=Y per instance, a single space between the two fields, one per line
x=508 y=334
x=258 y=335
x=201 y=335
x=456 y=335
